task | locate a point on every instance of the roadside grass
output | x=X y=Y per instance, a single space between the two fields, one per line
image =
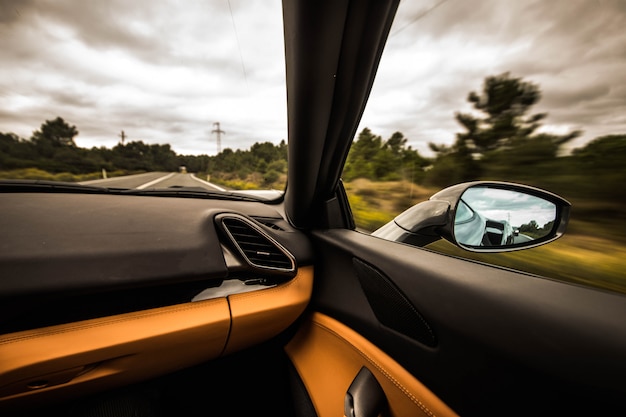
x=38 y=174
x=254 y=181
x=574 y=258
x=375 y=203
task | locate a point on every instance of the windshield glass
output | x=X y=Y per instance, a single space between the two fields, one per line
x=144 y=94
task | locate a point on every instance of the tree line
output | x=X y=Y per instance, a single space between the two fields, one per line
x=500 y=141
x=53 y=149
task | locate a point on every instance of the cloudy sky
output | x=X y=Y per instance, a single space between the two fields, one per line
x=517 y=208
x=164 y=72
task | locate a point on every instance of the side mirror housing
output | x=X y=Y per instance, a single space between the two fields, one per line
x=483 y=216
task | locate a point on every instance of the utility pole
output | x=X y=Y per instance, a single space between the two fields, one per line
x=123 y=136
x=219 y=136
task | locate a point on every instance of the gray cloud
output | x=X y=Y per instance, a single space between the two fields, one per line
x=164 y=72
x=11 y=10
x=575 y=50
x=160 y=71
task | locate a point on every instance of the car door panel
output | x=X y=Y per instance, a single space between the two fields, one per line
x=258 y=315
x=113 y=350
x=503 y=340
x=96 y=354
x=328 y=356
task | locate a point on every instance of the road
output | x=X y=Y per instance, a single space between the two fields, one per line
x=522 y=239
x=155 y=180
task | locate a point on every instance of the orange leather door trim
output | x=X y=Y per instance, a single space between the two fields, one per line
x=328 y=356
x=105 y=352
x=259 y=315
x=92 y=355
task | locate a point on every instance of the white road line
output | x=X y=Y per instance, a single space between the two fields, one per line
x=148 y=184
x=207 y=183
x=113 y=179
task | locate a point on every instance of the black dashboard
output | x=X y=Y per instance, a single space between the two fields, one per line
x=68 y=257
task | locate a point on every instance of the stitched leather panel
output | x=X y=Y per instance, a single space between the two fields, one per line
x=329 y=355
x=92 y=355
x=97 y=354
x=260 y=315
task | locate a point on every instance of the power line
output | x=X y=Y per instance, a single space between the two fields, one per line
x=243 y=67
x=418 y=17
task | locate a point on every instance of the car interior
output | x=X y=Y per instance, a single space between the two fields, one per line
x=149 y=305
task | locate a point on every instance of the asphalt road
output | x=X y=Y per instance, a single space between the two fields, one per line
x=522 y=239
x=155 y=180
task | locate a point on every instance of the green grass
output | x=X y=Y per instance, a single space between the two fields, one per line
x=375 y=203
x=368 y=218
x=38 y=174
x=254 y=181
x=573 y=258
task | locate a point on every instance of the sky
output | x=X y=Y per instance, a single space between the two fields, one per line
x=166 y=73
x=515 y=207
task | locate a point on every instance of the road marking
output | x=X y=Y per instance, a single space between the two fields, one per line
x=148 y=184
x=207 y=183
x=115 y=179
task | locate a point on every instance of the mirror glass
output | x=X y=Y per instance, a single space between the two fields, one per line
x=487 y=216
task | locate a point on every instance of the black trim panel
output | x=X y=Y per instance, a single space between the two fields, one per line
x=508 y=343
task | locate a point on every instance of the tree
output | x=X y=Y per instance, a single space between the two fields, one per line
x=162 y=157
x=503 y=138
x=396 y=144
x=452 y=165
x=15 y=152
x=56 y=132
x=371 y=158
x=265 y=151
x=600 y=164
x=53 y=135
x=529 y=227
x=359 y=163
x=504 y=101
x=603 y=153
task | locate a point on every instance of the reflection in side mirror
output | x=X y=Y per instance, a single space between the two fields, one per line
x=494 y=217
x=482 y=216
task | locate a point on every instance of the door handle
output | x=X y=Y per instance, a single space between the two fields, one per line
x=365 y=397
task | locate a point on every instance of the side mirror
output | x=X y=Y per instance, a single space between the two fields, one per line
x=483 y=216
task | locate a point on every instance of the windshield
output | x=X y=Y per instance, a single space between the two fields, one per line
x=144 y=94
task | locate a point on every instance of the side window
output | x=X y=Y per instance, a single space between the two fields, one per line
x=462 y=95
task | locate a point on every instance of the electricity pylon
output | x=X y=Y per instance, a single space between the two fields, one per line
x=219 y=136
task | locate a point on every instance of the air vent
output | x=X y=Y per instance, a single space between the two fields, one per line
x=257 y=248
x=269 y=224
